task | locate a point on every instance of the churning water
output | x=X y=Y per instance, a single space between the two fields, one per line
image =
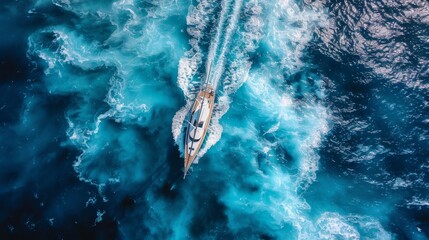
x=320 y=128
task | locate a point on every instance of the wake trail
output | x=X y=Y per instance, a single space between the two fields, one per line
x=215 y=43
x=217 y=61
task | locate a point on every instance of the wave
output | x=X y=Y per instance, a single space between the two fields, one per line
x=102 y=71
x=378 y=41
x=333 y=225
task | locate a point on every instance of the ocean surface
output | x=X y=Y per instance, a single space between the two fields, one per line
x=320 y=128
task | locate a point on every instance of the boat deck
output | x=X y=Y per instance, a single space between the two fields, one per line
x=192 y=148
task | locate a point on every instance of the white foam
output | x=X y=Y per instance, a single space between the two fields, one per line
x=332 y=226
x=188 y=67
x=273 y=129
x=99 y=217
x=91 y=201
x=416 y=201
x=231 y=26
x=366 y=152
x=292 y=27
x=197 y=20
x=214 y=44
x=177 y=126
x=401 y=183
x=62 y=3
x=303 y=125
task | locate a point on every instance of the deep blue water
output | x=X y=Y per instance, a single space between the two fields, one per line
x=320 y=129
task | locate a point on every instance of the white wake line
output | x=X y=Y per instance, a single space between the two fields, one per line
x=215 y=43
x=218 y=70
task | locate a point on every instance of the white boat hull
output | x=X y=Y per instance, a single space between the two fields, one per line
x=198 y=124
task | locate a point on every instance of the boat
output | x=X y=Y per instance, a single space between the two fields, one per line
x=199 y=120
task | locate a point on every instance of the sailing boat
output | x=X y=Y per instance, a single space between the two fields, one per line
x=199 y=120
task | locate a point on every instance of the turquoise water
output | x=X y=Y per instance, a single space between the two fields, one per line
x=319 y=129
